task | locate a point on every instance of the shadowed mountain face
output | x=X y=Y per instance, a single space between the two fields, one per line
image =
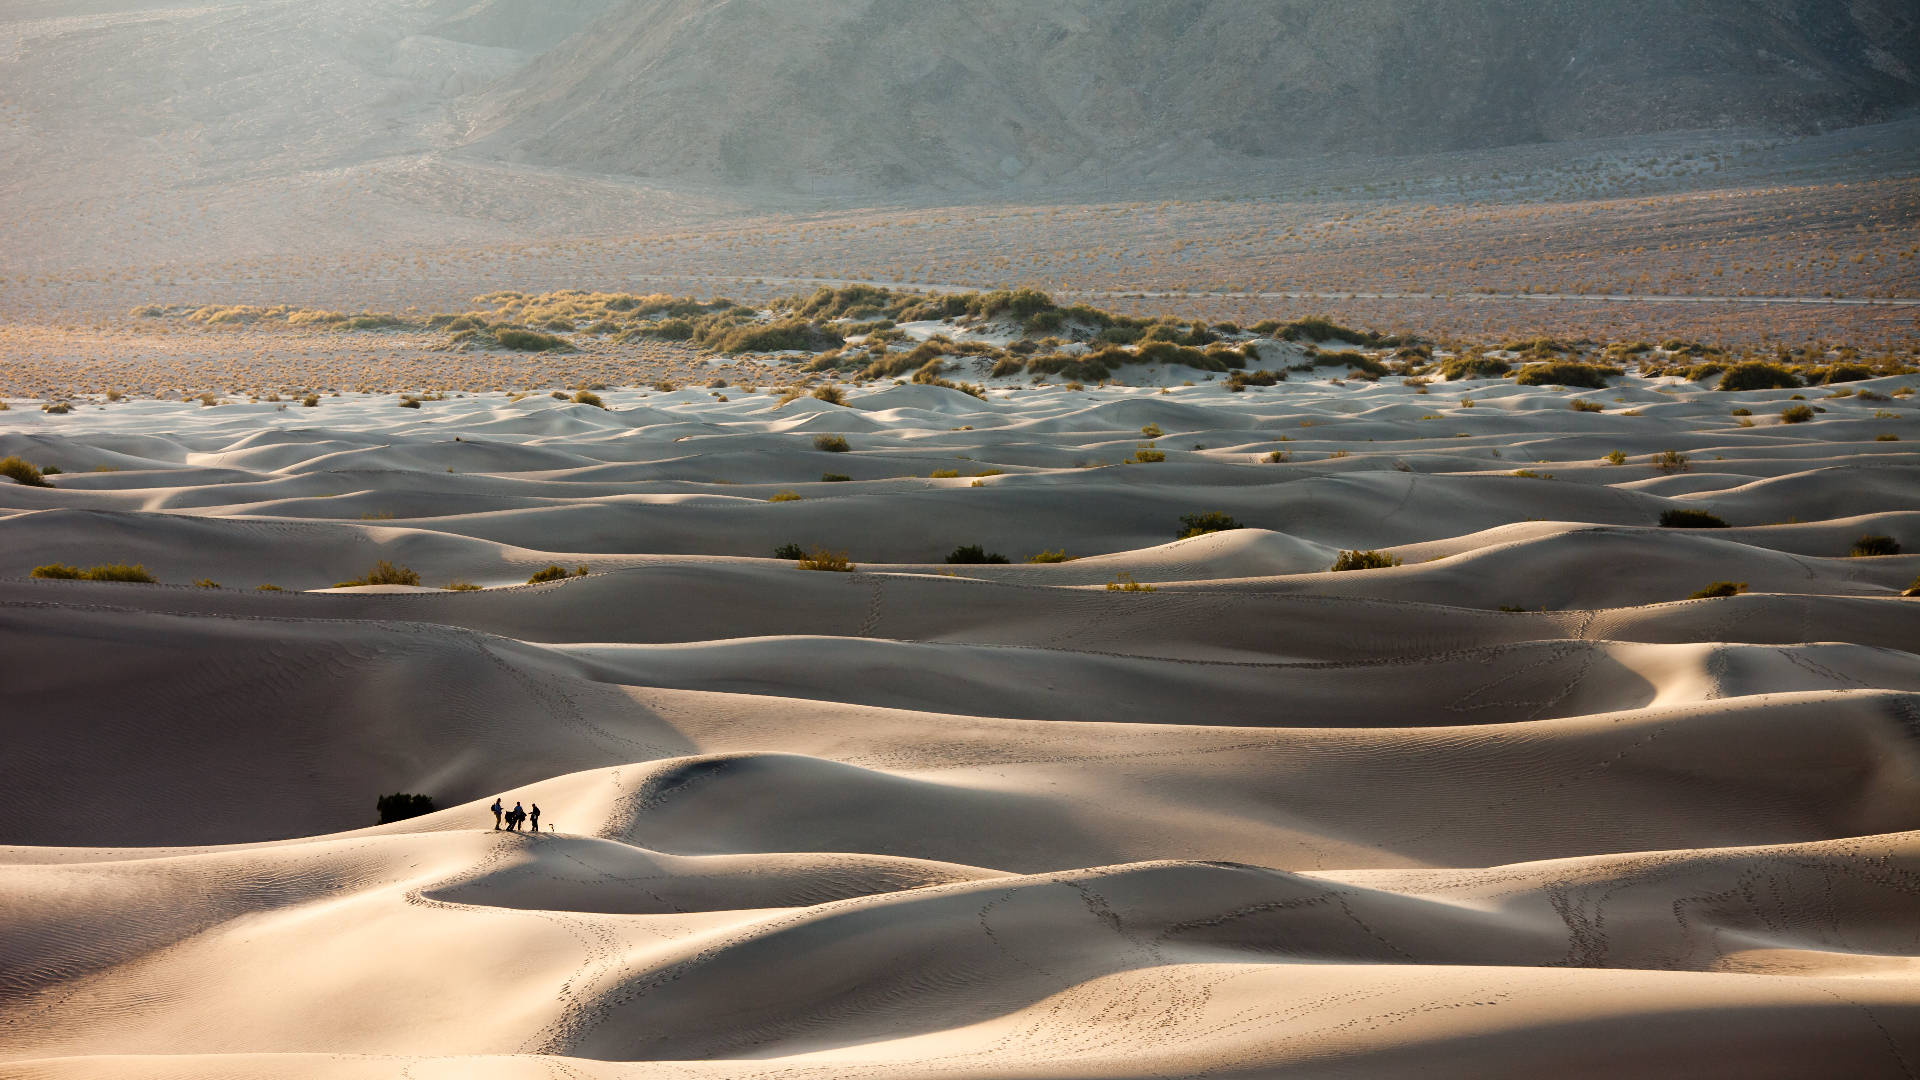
x=987 y=92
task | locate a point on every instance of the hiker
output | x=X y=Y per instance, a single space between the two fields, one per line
x=536 y=817
x=514 y=819
x=496 y=815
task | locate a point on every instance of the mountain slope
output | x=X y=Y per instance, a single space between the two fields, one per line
x=983 y=92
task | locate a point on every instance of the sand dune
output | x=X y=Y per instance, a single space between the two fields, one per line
x=1515 y=806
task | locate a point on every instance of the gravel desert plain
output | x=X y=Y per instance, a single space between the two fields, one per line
x=1430 y=607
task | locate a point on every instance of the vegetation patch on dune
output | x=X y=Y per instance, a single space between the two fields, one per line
x=384 y=573
x=104 y=572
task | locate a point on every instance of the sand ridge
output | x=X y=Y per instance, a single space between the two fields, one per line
x=1515 y=805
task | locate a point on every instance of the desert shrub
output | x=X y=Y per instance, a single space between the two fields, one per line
x=1365 y=560
x=1565 y=373
x=588 y=397
x=1840 y=373
x=1672 y=461
x=1123 y=582
x=1796 y=414
x=1319 y=328
x=206 y=583
x=310 y=401
x=783 y=336
x=1874 y=544
x=1583 y=405
x=409 y=402
x=269 y=587
x=1278 y=457
x=1474 y=367
x=22 y=471
x=1059 y=556
x=531 y=341
x=385 y=573
x=1719 y=589
x=835 y=478
x=972 y=554
x=784 y=496
x=831 y=394
x=1152 y=431
x=400 y=806
x=1616 y=457
x=1240 y=380
x=789 y=551
x=1007 y=366
x=105 y=572
x=461 y=586
x=1146 y=456
x=822 y=559
x=1758 y=375
x=1690 y=519
x=550 y=572
x=1198 y=524
x=57 y=408
x=1741 y=412
x=832 y=444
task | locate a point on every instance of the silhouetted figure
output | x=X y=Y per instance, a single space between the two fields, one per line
x=496 y=814
x=535 y=815
x=514 y=819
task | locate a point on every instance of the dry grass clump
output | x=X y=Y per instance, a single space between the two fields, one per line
x=822 y=559
x=22 y=471
x=1123 y=582
x=832 y=395
x=1583 y=405
x=1364 y=560
x=1616 y=457
x=1672 y=461
x=384 y=573
x=556 y=572
x=1146 y=455
x=57 y=408
x=1566 y=373
x=1059 y=556
x=784 y=496
x=105 y=572
x=832 y=444
x=1719 y=589
x=1796 y=414
x=588 y=397
x=462 y=586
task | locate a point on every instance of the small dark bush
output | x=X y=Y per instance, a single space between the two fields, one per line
x=1757 y=375
x=550 y=572
x=1583 y=405
x=1840 y=373
x=1365 y=560
x=832 y=444
x=790 y=551
x=1719 y=589
x=1690 y=519
x=400 y=806
x=385 y=573
x=834 y=478
x=1874 y=544
x=1209 y=522
x=832 y=395
x=588 y=397
x=1796 y=414
x=973 y=554
x=822 y=559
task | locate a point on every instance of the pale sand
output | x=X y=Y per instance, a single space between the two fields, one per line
x=966 y=821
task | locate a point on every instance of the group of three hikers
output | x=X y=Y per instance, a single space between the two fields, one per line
x=515 y=816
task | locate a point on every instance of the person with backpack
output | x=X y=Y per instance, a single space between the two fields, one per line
x=514 y=818
x=496 y=815
x=536 y=817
